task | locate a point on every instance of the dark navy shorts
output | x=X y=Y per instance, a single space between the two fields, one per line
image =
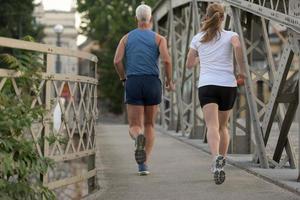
x=143 y=90
x=221 y=95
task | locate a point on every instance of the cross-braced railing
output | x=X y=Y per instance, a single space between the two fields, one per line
x=269 y=31
x=71 y=111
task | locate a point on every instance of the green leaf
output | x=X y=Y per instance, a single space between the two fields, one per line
x=19 y=160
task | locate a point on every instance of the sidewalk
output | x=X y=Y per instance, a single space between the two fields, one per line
x=179 y=171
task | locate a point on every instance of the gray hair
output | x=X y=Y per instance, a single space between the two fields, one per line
x=143 y=13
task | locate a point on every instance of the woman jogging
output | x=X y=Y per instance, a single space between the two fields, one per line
x=141 y=49
x=217 y=83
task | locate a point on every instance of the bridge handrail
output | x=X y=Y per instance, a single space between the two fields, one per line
x=43 y=48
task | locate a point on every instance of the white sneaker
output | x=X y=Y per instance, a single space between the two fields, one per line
x=218 y=169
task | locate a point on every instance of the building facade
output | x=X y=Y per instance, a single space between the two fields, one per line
x=68 y=37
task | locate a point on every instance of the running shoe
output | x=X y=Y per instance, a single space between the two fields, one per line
x=218 y=169
x=140 y=153
x=143 y=170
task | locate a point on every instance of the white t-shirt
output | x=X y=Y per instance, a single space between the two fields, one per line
x=216 y=64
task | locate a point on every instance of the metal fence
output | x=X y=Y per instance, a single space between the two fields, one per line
x=269 y=31
x=71 y=111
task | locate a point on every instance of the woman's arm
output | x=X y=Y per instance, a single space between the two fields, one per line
x=238 y=52
x=118 y=60
x=191 y=58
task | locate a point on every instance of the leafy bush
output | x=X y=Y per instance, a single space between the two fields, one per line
x=20 y=164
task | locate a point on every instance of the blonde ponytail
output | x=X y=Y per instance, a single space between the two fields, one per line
x=212 y=25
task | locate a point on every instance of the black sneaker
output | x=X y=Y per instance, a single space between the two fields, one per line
x=218 y=169
x=140 y=153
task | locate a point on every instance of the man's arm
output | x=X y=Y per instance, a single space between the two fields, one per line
x=118 y=60
x=166 y=60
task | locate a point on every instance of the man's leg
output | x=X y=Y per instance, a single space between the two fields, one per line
x=150 y=117
x=135 y=118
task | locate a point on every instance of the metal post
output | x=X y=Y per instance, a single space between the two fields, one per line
x=184 y=71
x=92 y=180
x=249 y=92
x=172 y=38
x=298 y=116
x=196 y=17
x=58 y=29
x=294 y=6
x=58 y=62
x=47 y=118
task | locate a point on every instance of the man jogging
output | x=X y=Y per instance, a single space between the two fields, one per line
x=141 y=49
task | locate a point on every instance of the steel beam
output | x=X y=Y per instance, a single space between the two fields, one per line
x=298 y=116
x=279 y=17
x=250 y=96
x=286 y=124
x=280 y=78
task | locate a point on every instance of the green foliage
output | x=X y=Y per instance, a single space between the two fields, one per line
x=16 y=20
x=107 y=21
x=20 y=164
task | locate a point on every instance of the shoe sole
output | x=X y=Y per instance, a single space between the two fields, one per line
x=220 y=162
x=219 y=177
x=140 y=153
x=144 y=173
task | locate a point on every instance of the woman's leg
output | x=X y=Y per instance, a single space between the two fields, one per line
x=212 y=123
x=223 y=129
x=150 y=117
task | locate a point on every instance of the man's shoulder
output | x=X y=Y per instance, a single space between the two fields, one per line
x=159 y=38
x=158 y=35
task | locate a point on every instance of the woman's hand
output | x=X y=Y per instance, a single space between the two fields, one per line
x=240 y=79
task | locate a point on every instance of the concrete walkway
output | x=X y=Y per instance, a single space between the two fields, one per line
x=178 y=172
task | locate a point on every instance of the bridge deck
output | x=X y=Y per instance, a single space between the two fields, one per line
x=178 y=171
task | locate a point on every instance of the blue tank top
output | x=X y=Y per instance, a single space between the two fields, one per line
x=141 y=53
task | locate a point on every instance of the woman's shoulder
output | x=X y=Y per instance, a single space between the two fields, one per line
x=199 y=34
x=229 y=33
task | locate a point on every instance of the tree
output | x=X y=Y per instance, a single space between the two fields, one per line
x=16 y=20
x=107 y=21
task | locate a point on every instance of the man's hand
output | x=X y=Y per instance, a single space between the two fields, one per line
x=170 y=86
x=123 y=81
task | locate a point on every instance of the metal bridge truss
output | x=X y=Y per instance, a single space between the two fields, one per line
x=254 y=112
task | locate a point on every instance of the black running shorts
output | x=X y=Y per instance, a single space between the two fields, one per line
x=143 y=90
x=221 y=95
